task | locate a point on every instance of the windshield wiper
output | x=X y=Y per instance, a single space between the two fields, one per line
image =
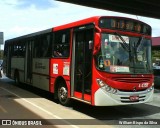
x=124 y=44
x=139 y=44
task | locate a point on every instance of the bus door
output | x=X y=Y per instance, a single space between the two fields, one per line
x=81 y=76
x=28 y=62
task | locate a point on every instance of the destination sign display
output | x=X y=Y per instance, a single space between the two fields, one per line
x=125 y=25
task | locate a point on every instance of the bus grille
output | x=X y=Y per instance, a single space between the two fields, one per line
x=127 y=99
x=132 y=90
x=131 y=80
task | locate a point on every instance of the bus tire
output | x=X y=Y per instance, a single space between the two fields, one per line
x=63 y=94
x=16 y=78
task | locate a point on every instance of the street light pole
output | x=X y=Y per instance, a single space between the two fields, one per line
x=1 y=39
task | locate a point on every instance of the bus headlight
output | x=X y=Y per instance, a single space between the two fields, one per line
x=150 y=89
x=106 y=87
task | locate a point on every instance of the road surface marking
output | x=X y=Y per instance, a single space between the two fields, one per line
x=4 y=110
x=42 y=109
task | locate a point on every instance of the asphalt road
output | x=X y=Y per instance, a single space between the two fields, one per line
x=26 y=104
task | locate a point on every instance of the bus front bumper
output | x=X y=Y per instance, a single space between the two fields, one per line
x=103 y=98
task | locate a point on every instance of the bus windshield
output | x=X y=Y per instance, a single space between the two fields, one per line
x=124 y=54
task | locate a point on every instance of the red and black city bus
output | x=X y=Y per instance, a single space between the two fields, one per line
x=102 y=61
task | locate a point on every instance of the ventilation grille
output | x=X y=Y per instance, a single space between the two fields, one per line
x=131 y=80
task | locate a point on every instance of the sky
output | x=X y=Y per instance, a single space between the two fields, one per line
x=21 y=17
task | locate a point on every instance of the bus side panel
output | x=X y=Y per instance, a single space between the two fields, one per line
x=17 y=64
x=59 y=68
x=41 y=73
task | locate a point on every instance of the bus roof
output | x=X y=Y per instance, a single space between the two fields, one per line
x=31 y=35
x=93 y=19
x=61 y=27
x=78 y=23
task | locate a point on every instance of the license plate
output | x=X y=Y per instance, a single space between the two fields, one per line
x=134 y=98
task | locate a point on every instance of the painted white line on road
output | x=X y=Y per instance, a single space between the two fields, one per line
x=3 y=109
x=42 y=109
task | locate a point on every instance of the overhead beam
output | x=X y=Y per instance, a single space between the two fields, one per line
x=147 y=8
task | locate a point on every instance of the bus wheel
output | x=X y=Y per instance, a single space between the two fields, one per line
x=63 y=95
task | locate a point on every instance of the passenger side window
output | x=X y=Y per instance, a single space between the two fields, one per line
x=61 y=44
x=18 y=49
x=42 y=46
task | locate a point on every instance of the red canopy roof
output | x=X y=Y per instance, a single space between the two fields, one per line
x=155 y=41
